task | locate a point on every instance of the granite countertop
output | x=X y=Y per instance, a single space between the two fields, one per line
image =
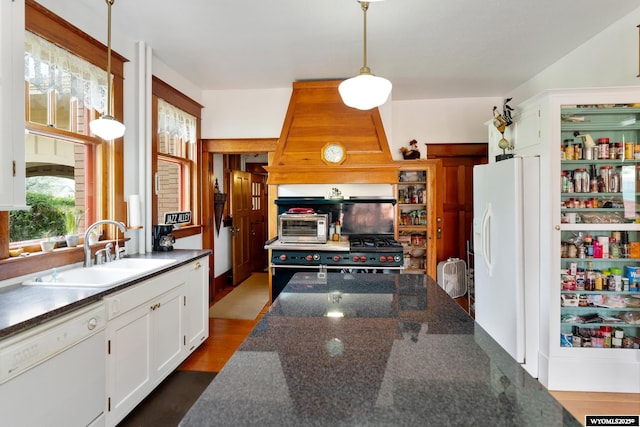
x=403 y=353
x=23 y=307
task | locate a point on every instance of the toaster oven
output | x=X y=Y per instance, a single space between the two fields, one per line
x=303 y=228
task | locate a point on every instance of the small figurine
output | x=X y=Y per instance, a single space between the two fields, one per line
x=501 y=122
x=413 y=152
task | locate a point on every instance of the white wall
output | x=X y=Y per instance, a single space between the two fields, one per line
x=454 y=120
x=608 y=59
x=244 y=113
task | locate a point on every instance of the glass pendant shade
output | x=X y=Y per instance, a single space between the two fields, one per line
x=365 y=91
x=107 y=128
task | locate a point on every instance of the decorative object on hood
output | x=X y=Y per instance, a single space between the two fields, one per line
x=107 y=127
x=411 y=153
x=365 y=91
x=335 y=194
x=501 y=122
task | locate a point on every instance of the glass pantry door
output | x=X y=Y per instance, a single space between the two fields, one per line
x=600 y=237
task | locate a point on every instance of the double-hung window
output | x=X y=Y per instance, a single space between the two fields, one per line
x=67 y=168
x=176 y=130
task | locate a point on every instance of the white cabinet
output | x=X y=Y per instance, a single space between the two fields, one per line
x=144 y=343
x=571 y=305
x=196 y=301
x=12 y=162
x=152 y=328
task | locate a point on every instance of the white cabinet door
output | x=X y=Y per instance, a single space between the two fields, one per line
x=129 y=373
x=12 y=163
x=144 y=340
x=197 y=304
x=166 y=316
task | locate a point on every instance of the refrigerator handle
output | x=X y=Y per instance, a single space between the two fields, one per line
x=486 y=239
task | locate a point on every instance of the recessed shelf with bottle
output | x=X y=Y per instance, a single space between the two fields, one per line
x=413 y=217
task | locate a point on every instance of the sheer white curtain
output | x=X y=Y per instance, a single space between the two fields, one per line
x=175 y=122
x=49 y=67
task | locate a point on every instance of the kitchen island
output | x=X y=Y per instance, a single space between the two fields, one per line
x=372 y=349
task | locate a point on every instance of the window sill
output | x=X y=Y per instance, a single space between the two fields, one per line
x=190 y=230
x=39 y=261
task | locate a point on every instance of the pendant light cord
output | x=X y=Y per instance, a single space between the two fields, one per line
x=108 y=107
x=365 y=69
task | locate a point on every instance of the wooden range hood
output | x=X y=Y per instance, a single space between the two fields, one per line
x=316 y=116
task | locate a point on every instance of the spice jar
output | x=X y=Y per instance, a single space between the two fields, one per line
x=613 y=151
x=581 y=180
x=603 y=148
x=569 y=152
x=605 y=173
x=620 y=150
x=628 y=150
x=605 y=331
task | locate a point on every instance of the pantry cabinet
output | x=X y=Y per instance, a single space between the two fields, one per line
x=590 y=235
x=416 y=218
x=12 y=152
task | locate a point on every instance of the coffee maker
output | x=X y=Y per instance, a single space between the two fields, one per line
x=163 y=240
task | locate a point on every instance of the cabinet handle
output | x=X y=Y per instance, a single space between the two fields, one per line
x=198 y=265
x=155 y=306
x=558 y=227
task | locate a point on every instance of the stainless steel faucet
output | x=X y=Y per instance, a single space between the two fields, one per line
x=88 y=262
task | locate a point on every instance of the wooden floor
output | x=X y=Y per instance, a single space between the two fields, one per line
x=225 y=336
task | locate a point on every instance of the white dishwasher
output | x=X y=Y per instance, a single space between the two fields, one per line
x=54 y=374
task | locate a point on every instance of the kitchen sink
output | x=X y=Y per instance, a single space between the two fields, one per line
x=100 y=276
x=140 y=264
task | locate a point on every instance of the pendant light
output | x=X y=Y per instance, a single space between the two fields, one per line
x=365 y=91
x=107 y=127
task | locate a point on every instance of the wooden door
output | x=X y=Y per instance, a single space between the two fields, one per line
x=456 y=181
x=258 y=222
x=241 y=226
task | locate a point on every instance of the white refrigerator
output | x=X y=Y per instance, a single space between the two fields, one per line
x=506 y=249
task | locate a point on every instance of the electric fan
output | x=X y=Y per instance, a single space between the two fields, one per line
x=452 y=277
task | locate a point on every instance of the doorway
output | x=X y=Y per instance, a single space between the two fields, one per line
x=456 y=224
x=235 y=153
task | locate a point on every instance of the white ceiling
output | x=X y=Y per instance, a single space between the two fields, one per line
x=427 y=48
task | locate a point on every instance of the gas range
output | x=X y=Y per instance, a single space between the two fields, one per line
x=373 y=243
x=364 y=251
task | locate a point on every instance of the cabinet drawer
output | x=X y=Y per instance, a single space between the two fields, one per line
x=132 y=297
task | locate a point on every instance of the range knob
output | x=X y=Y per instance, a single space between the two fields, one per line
x=397 y=258
x=336 y=258
x=316 y=257
x=363 y=259
x=356 y=258
x=384 y=259
x=283 y=257
x=309 y=257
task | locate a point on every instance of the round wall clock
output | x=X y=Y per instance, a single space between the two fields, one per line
x=333 y=153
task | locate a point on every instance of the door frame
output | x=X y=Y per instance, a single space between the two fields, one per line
x=473 y=153
x=209 y=148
